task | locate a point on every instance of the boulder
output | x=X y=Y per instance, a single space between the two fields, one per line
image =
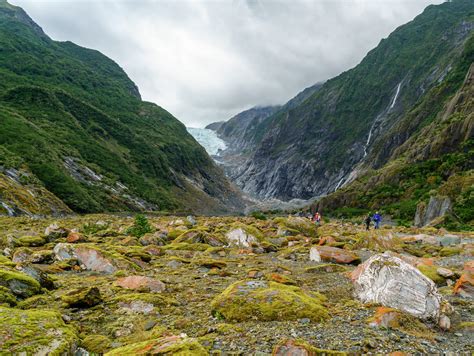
x=22 y=254
x=19 y=283
x=54 y=231
x=240 y=238
x=332 y=254
x=32 y=241
x=166 y=345
x=82 y=297
x=390 y=281
x=157 y=238
x=41 y=277
x=264 y=301
x=90 y=258
x=464 y=286
x=74 y=237
x=35 y=332
x=141 y=283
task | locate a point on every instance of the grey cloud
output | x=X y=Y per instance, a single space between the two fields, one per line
x=205 y=61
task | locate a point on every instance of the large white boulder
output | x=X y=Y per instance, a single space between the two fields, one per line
x=240 y=238
x=394 y=283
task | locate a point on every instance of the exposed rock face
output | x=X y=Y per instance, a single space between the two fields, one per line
x=437 y=207
x=349 y=124
x=332 y=254
x=141 y=283
x=90 y=258
x=388 y=280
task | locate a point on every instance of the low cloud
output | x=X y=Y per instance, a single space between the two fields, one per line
x=205 y=61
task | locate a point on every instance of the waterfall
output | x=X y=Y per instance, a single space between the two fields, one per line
x=396 y=96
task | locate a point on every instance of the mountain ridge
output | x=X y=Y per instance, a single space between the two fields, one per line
x=88 y=138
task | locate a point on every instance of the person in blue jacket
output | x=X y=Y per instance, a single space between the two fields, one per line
x=377 y=218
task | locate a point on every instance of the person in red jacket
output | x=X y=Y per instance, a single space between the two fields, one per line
x=317 y=218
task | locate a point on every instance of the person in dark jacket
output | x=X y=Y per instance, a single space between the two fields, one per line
x=367 y=221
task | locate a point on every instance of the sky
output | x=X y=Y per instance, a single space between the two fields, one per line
x=207 y=60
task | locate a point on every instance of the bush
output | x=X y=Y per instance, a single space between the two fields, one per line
x=140 y=227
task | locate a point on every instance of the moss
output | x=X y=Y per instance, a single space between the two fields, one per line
x=450 y=251
x=34 y=332
x=167 y=345
x=82 y=297
x=244 y=300
x=32 y=241
x=37 y=301
x=5 y=261
x=185 y=246
x=430 y=272
x=305 y=347
x=6 y=298
x=326 y=268
x=19 y=283
x=152 y=298
x=466 y=325
x=96 y=343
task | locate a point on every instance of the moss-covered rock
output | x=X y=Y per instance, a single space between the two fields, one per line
x=301 y=225
x=6 y=297
x=98 y=344
x=263 y=300
x=35 y=332
x=431 y=273
x=167 y=345
x=19 y=284
x=450 y=251
x=82 y=297
x=32 y=241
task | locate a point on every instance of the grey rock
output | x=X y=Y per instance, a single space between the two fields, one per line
x=437 y=207
x=388 y=280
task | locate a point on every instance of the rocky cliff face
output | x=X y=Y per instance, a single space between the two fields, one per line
x=323 y=142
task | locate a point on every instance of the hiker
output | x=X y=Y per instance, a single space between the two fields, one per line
x=377 y=219
x=367 y=221
x=317 y=218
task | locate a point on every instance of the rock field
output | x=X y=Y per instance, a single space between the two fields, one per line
x=115 y=285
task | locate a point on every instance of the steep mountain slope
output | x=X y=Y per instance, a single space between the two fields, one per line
x=320 y=144
x=242 y=135
x=78 y=125
x=431 y=174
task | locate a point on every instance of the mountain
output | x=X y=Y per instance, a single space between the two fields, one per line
x=242 y=133
x=75 y=124
x=358 y=120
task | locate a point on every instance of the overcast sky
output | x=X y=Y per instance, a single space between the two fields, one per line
x=205 y=61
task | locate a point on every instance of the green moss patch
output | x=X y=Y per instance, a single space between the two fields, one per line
x=34 y=332
x=265 y=301
x=167 y=345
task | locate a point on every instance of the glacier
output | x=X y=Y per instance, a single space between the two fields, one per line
x=208 y=139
